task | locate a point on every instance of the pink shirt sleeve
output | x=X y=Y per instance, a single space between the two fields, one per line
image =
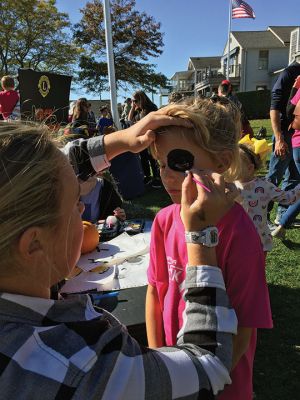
x=296 y=98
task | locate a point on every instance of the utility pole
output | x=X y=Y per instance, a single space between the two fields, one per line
x=228 y=43
x=110 y=64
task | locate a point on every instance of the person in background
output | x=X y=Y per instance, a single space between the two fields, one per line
x=142 y=106
x=100 y=200
x=292 y=212
x=104 y=120
x=125 y=113
x=282 y=164
x=91 y=118
x=175 y=97
x=45 y=343
x=256 y=193
x=225 y=89
x=9 y=99
x=80 y=113
x=211 y=146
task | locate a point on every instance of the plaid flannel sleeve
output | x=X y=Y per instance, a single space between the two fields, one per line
x=197 y=368
x=87 y=156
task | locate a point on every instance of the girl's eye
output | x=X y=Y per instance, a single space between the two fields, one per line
x=180 y=160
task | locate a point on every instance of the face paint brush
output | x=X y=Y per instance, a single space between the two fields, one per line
x=198 y=182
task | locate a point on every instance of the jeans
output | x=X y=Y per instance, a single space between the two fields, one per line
x=279 y=168
x=294 y=209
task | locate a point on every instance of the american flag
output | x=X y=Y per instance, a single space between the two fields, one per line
x=240 y=9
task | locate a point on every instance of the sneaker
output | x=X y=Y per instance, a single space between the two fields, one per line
x=279 y=232
x=277 y=220
x=271 y=226
x=156 y=183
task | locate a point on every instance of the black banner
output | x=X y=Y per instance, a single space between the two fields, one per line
x=44 y=96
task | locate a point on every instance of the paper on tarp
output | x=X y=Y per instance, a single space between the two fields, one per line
x=115 y=251
x=132 y=273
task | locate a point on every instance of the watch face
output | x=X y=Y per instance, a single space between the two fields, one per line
x=213 y=237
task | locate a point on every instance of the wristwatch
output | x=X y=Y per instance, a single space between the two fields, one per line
x=208 y=237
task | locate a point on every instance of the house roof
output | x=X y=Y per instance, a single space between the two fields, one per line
x=205 y=62
x=257 y=39
x=182 y=75
x=283 y=32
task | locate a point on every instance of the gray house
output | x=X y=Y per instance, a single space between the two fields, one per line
x=256 y=56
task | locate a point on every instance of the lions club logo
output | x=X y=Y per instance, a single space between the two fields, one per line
x=44 y=85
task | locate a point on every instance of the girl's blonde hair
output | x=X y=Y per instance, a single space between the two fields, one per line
x=29 y=183
x=217 y=127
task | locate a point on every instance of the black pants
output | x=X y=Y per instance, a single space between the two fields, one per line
x=148 y=161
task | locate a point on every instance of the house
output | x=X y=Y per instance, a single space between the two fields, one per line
x=202 y=76
x=207 y=74
x=256 y=56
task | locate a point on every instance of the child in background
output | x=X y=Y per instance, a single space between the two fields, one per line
x=104 y=120
x=9 y=98
x=211 y=145
x=257 y=192
x=100 y=200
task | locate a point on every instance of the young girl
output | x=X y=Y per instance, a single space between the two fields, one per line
x=65 y=348
x=211 y=145
x=257 y=192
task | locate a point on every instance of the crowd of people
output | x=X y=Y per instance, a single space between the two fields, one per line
x=207 y=292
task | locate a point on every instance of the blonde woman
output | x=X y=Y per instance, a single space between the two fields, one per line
x=65 y=348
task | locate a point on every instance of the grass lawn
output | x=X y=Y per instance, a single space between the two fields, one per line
x=277 y=363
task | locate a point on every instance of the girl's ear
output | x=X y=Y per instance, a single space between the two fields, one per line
x=224 y=160
x=30 y=243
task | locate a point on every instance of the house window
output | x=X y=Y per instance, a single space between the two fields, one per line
x=263 y=59
x=182 y=84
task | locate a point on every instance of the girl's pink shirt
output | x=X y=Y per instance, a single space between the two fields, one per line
x=241 y=259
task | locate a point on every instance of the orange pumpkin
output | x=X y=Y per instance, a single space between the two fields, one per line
x=90 y=237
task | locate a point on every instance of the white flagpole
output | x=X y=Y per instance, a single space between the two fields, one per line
x=229 y=31
x=110 y=64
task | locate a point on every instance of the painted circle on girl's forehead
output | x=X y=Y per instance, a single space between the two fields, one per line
x=180 y=160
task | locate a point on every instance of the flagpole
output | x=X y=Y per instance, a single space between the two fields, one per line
x=229 y=31
x=110 y=64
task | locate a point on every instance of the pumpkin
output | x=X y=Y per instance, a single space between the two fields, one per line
x=90 y=237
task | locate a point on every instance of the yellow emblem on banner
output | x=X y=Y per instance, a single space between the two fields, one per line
x=44 y=85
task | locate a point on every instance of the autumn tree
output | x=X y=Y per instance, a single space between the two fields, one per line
x=136 y=38
x=34 y=34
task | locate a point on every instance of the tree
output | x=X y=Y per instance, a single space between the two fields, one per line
x=136 y=38
x=33 y=34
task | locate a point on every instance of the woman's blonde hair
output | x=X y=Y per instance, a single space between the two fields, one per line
x=217 y=127
x=29 y=182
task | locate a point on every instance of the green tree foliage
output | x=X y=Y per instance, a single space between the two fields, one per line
x=33 y=34
x=136 y=38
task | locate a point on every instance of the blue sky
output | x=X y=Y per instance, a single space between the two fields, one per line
x=198 y=28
